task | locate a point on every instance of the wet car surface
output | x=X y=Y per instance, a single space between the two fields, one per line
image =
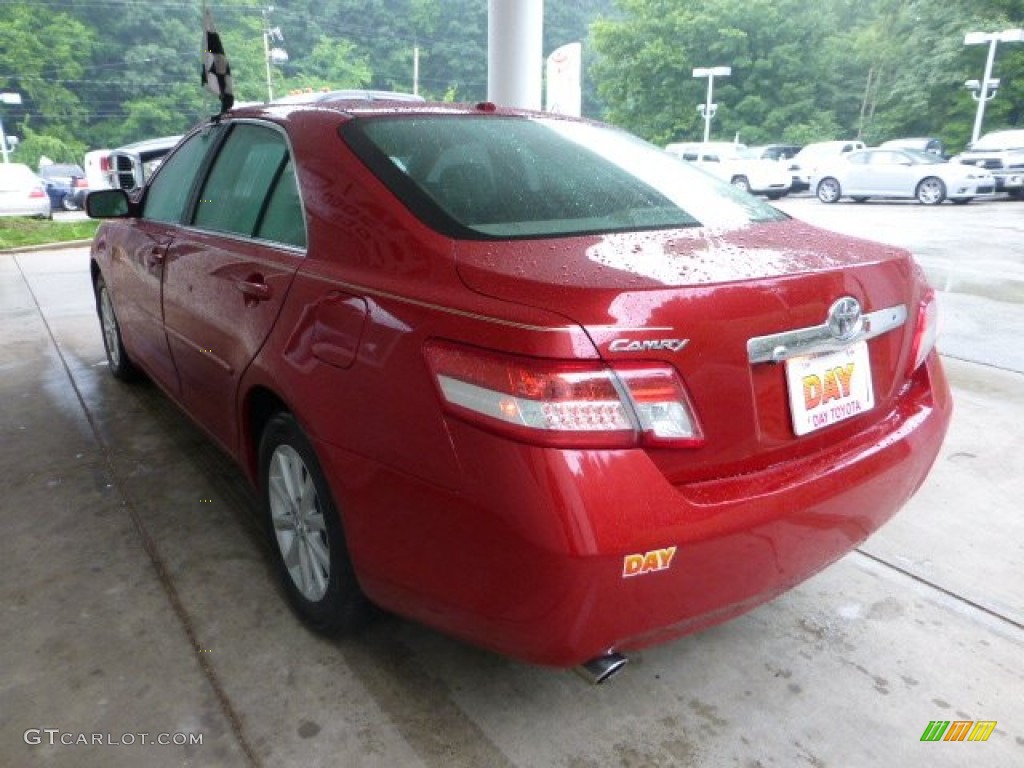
x=508 y=376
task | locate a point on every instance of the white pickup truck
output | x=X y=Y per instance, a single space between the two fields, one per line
x=1001 y=153
x=735 y=164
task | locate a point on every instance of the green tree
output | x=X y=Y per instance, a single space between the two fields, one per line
x=783 y=84
x=41 y=56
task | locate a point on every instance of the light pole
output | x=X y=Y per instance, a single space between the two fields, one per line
x=985 y=90
x=7 y=98
x=272 y=55
x=708 y=108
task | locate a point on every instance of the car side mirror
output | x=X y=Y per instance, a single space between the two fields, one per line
x=108 y=204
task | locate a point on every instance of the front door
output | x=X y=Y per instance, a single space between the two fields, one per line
x=137 y=269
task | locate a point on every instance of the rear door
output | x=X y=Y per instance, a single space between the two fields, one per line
x=227 y=275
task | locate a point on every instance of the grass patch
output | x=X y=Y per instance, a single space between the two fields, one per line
x=16 y=232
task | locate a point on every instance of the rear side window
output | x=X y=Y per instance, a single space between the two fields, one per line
x=478 y=176
x=251 y=188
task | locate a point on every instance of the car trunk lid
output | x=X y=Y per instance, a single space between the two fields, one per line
x=718 y=305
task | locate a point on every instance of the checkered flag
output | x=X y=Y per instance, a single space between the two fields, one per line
x=216 y=69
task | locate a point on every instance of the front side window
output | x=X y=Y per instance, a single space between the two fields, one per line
x=170 y=190
x=478 y=176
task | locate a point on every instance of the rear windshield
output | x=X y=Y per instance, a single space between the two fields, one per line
x=487 y=177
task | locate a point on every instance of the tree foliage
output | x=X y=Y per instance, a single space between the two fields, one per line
x=806 y=70
x=98 y=73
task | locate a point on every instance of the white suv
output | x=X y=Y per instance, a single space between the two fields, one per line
x=807 y=160
x=737 y=165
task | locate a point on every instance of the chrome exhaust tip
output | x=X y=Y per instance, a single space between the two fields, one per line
x=602 y=668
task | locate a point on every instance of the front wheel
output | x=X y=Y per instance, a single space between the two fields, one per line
x=829 y=190
x=304 y=528
x=117 y=358
x=68 y=203
x=931 y=191
x=741 y=182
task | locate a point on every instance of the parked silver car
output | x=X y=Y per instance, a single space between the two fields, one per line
x=900 y=173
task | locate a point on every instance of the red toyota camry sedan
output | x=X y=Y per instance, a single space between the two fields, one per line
x=523 y=378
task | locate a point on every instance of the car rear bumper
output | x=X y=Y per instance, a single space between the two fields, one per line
x=27 y=209
x=576 y=553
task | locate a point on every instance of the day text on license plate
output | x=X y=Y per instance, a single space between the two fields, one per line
x=827 y=388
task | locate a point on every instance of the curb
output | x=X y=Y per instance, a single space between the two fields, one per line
x=46 y=246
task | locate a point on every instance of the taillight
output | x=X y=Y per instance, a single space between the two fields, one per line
x=105 y=165
x=927 y=329
x=79 y=183
x=37 y=192
x=568 y=404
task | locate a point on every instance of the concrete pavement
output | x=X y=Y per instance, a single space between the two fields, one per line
x=137 y=598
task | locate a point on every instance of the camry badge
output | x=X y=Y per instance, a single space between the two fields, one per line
x=647 y=345
x=845 y=319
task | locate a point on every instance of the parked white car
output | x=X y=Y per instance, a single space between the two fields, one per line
x=805 y=164
x=901 y=173
x=22 y=193
x=737 y=165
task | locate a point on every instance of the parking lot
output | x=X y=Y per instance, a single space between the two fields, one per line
x=138 y=596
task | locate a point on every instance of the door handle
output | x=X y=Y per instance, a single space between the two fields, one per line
x=254 y=289
x=156 y=256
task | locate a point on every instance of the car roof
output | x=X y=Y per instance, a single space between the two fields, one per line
x=911 y=142
x=348 y=94
x=1012 y=133
x=705 y=145
x=62 y=168
x=348 y=106
x=15 y=169
x=164 y=142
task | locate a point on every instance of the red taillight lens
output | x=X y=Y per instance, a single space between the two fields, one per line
x=578 y=404
x=927 y=329
x=37 y=192
x=80 y=183
x=105 y=165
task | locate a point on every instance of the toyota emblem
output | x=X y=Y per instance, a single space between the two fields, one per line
x=845 y=319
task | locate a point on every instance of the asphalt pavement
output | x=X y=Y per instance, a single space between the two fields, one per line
x=139 y=605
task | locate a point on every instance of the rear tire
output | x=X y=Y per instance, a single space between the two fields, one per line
x=121 y=366
x=305 y=533
x=829 y=190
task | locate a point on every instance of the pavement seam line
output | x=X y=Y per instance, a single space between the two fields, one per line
x=166 y=582
x=982 y=363
x=943 y=590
